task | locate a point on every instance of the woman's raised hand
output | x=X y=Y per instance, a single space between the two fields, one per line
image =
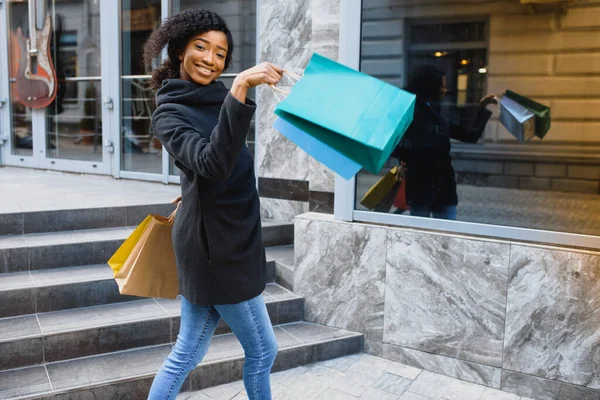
x=261 y=74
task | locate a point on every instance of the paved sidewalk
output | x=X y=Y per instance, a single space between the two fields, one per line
x=362 y=377
x=25 y=190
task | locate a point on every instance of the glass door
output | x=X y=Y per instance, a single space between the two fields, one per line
x=140 y=150
x=67 y=134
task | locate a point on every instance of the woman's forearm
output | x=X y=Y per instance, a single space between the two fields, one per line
x=239 y=90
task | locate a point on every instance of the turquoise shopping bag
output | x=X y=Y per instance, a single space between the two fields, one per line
x=332 y=159
x=357 y=115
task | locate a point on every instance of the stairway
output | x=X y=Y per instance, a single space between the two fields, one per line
x=67 y=333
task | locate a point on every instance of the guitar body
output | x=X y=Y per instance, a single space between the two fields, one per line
x=36 y=89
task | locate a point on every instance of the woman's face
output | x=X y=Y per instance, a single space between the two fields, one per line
x=203 y=59
x=443 y=88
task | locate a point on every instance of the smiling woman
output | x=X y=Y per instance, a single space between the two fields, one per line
x=217 y=235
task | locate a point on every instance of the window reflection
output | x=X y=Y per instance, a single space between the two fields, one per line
x=499 y=178
x=21 y=126
x=141 y=150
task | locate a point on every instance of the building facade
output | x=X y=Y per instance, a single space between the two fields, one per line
x=506 y=296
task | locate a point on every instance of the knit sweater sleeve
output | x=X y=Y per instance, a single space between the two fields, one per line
x=211 y=156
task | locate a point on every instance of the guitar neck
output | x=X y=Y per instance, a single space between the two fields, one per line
x=34 y=6
x=32 y=26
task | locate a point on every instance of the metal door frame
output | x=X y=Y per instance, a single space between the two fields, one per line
x=40 y=158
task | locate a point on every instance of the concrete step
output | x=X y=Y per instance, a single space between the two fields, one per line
x=55 y=289
x=60 y=249
x=54 y=336
x=78 y=219
x=92 y=246
x=283 y=256
x=128 y=374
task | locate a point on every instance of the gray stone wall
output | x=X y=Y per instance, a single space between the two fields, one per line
x=289 y=32
x=541 y=173
x=507 y=315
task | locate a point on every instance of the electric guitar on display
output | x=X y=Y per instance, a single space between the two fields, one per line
x=36 y=77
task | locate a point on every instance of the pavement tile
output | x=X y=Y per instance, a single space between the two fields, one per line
x=193 y=396
x=374 y=362
x=225 y=392
x=413 y=396
x=350 y=385
x=404 y=371
x=376 y=394
x=286 y=378
x=461 y=390
x=365 y=372
x=332 y=394
x=342 y=363
x=430 y=385
x=392 y=383
x=351 y=377
x=308 y=387
x=494 y=394
x=324 y=374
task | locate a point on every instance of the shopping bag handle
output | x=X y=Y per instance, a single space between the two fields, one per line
x=294 y=77
x=178 y=202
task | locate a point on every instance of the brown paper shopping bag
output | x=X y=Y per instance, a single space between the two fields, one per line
x=150 y=269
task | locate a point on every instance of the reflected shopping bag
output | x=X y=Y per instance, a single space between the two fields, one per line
x=359 y=116
x=541 y=112
x=381 y=195
x=332 y=159
x=149 y=269
x=518 y=120
x=400 y=199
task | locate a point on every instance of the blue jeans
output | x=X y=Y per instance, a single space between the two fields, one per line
x=442 y=212
x=250 y=323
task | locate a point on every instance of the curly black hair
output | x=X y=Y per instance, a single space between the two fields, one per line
x=425 y=81
x=175 y=33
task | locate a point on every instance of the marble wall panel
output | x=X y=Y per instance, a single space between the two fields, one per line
x=553 y=315
x=321 y=178
x=446 y=295
x=285 y=39
x=325 y=41
x=465 y=370
x=326 y=27
x=544 y=389
x=281 y=210
x=277 y=156
x=341 y=274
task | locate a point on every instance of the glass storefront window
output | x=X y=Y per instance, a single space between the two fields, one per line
x=458 y=163
x=141 y=151
x=22 y=131
x=74 y=124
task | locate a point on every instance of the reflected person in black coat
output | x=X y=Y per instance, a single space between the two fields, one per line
x=425 y=147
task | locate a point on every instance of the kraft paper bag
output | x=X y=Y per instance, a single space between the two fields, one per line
x=149 y=269
x=118 y=259
x=355 y=114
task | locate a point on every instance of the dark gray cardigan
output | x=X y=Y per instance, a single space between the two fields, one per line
x=217 y=232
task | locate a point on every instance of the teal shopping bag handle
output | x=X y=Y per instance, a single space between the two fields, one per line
x=294 y=77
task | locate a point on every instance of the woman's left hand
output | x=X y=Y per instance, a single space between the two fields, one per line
x=487 y=100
